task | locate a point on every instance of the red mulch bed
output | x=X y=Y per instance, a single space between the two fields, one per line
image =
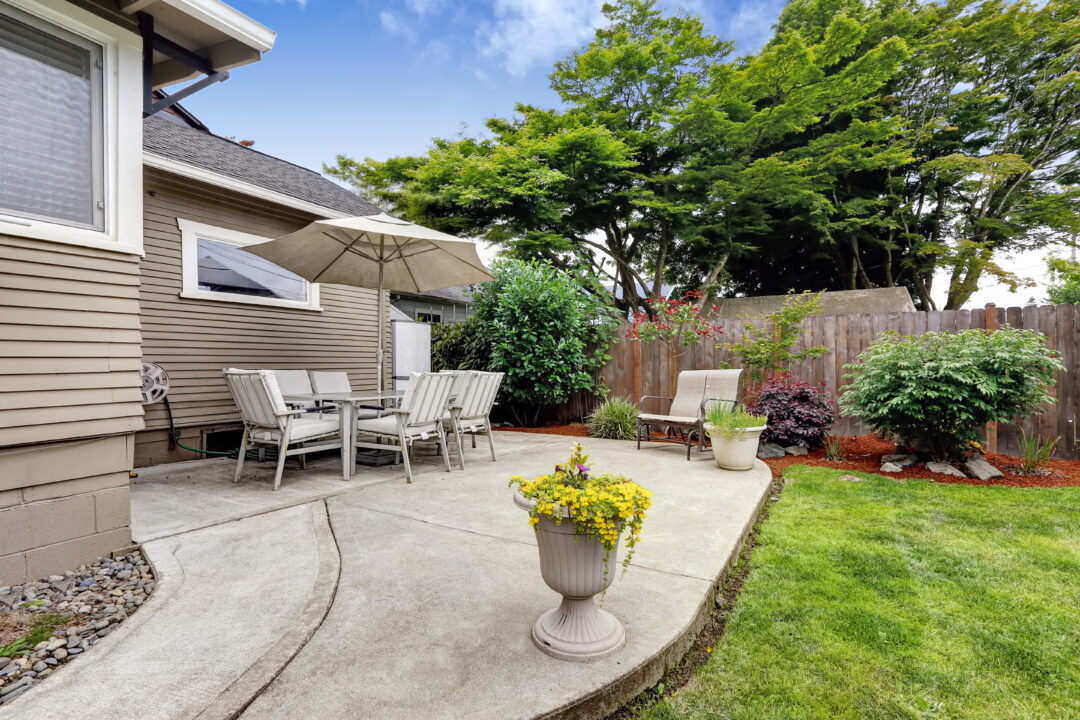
x=864 y=455
x=574 y=429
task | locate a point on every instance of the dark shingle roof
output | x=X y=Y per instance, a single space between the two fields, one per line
x=225 y=157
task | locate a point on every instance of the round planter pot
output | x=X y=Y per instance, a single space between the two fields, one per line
x=737 y=452
x=574 y=566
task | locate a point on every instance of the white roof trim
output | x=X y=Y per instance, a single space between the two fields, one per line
x=223 y=18
x=224 y=181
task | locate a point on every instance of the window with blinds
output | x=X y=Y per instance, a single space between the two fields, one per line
x=51 y=124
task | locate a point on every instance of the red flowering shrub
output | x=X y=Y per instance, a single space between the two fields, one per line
x=677 y=324
x=799 y=413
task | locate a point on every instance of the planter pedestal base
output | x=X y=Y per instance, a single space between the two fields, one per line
x=578 y=631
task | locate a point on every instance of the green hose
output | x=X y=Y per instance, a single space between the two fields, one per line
x=174 y=435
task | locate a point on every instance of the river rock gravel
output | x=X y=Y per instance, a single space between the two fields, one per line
x=93 y=600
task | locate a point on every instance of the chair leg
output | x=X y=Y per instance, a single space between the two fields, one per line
x=639 y=435
x=442 y=446
x=473 y=436
x=689 y=442
x=460 y=449
x=491 y=441
x=283 y=451
x=405 y=458
x=240 y=460
x=303 y=459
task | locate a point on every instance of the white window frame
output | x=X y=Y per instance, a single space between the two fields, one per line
x=191 y=231
x=122 y=125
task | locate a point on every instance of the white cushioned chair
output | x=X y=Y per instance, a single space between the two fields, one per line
x=269 y=421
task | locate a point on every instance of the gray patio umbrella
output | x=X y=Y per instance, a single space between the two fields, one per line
x=376 y=251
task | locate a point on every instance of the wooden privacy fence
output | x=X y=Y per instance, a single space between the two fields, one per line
x=640 y=368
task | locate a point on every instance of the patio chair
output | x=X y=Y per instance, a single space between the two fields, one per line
x=694 y=390
x=296 y=382
x=337 y=381
x=472 y=398
x=268 y=421
x=418 y=418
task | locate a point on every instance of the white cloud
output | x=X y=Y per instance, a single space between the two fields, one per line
x=526 y=32
x=424 y=8
x=395 y=26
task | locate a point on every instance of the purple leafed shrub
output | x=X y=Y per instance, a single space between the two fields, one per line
x=799 y=413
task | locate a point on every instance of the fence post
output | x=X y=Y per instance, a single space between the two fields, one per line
x=637 y=370
x=991 y=323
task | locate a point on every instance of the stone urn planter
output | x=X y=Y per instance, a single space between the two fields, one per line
x=578 y=567
x=737 y=449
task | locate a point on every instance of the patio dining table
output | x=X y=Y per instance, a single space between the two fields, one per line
x=349 y=405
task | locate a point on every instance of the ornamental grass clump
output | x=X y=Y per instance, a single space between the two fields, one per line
x=614 y=419
x=600 y=506
x=723 y=419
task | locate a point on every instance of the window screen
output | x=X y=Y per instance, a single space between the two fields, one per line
x=51 y=130
x=227 y=268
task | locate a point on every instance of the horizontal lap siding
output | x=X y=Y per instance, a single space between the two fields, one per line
x=69 y=342
x=194 y=339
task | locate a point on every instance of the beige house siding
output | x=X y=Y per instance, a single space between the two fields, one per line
x=194 y=339
x=69 y=404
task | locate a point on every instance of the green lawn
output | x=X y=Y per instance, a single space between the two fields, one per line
x=884 y=599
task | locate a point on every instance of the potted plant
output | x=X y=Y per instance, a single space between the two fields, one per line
x=734 y=434
x=579 y=517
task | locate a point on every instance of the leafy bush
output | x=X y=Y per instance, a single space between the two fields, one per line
x=767 y=350
x=799 y=413
x=548 y=333
x=460 y=346
x=727 y=419
x=935 y=391
x=615 y=419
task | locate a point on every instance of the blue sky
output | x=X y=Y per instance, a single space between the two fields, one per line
x=377 y=79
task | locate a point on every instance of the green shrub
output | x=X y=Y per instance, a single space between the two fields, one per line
x=936 y=391
x=615 y=419
x=460 y=346
x=548 y=333
x=1064 y=286
x=766 y=351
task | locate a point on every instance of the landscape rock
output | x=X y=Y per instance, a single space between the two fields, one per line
x=798 y=450
x=980 y=468
x=94 y=599
x=770 y=450
x=890 y=467
x=944 y=469
x=902 y=459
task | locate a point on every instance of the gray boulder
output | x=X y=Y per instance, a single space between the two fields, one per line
x=769 y=450
x=902 y=459
x=890 y=467
x=944 y=469
x=796 y=450
x=978 y=467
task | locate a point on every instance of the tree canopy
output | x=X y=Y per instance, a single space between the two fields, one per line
x=865 y=145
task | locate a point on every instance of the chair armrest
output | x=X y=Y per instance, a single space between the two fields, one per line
x=291 y=412
x=643 y=398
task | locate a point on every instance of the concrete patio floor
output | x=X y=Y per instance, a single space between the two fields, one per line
x=377 y=599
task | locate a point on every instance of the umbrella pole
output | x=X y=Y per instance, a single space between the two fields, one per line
x=379 y=353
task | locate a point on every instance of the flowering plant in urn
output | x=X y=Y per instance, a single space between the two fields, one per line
x=579 y=517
